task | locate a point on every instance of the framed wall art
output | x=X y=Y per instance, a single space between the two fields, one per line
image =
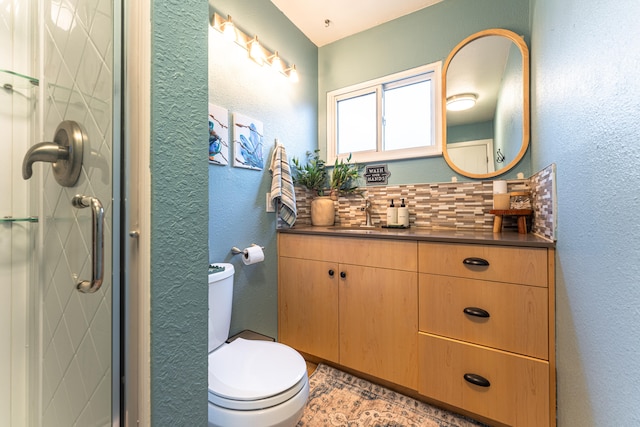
x=247 y=142
x=218 y=135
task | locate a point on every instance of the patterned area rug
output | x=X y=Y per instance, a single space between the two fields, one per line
x=338 y=399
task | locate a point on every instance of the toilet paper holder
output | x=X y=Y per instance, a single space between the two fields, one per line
x=237 y=251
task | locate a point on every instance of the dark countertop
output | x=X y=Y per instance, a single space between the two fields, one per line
x=505 y=238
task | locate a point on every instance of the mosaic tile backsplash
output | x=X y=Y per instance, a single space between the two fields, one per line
x=455 y=205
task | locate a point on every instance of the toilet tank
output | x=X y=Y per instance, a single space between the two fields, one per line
x=220 y=300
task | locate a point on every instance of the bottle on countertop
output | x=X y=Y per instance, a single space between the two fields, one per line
x=392 y=214
x=403 y=215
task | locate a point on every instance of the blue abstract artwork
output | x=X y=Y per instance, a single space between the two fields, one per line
x=218 y=135
x=247 y=142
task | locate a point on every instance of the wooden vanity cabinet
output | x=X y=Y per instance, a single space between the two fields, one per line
x=352 y=301
x=468 y=325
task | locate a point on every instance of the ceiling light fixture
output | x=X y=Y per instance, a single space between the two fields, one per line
x=461 y=102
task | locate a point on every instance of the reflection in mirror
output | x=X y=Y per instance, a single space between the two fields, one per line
x=489 y=71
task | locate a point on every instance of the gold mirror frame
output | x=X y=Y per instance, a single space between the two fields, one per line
x=520 y=43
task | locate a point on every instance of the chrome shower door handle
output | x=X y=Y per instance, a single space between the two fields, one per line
x=97 y=238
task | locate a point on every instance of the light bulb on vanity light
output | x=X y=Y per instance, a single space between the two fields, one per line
x=293 y=74
x=255 y=51
x=276 y=62
x=228 y=30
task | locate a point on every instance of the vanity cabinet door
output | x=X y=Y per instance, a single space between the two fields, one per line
x=308 y=306
x=379 y=322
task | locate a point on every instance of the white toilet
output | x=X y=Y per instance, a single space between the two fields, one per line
x=251 y=383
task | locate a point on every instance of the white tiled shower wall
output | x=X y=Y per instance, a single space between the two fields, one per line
x=76 y=337
x=16 y=107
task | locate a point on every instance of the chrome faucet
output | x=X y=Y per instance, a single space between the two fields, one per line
x=367 y=212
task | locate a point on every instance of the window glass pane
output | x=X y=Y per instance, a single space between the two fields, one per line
x=407 y=116
x=357 y=124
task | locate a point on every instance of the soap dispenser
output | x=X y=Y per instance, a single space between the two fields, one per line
x=392 y=214
x=403 y=215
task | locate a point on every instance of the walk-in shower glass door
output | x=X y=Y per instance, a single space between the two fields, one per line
x=72 y=375
x=79 y=69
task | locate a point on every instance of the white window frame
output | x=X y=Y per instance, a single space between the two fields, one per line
x=375 y=86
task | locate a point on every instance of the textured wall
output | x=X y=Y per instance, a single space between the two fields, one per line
x=509 y=109
x=288 y=111
x=179 y=213
x=420 y=38
x=586 y=104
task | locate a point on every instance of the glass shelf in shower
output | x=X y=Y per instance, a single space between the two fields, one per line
x=12 y=80
x=24 y=219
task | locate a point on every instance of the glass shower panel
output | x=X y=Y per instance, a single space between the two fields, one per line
x=80 y=77
x=57 y=364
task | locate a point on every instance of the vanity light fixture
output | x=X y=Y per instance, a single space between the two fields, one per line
x=461 y=102
x=257 y=52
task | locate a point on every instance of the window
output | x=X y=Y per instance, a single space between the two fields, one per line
x=394 y=117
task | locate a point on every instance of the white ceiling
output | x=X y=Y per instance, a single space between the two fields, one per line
x=346 y=17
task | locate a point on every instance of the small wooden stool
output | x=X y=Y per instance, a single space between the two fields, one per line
x=522 y=215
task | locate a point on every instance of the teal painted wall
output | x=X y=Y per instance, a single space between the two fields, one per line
x=289 y=112
x=585 y=118
x=470 y=132
x=420 y=38
x=179 y=213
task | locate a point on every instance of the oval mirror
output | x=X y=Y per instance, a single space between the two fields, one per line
x=488 y=71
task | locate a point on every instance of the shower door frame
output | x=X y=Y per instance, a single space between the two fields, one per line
x=136 y=336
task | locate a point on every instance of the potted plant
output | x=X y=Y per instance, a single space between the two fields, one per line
x=344 y=177
x=313 y=176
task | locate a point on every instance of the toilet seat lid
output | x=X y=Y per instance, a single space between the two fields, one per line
x=251 y=370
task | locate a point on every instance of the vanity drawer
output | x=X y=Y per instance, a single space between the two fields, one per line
x=319 y=248
x=369 y=252
x=518 y=390
x=527 y=266
x=518 y=315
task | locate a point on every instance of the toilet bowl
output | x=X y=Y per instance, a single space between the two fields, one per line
x=251 y=383
x=256 y=383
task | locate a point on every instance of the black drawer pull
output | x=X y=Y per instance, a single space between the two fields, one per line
x=476 y=379
x=475 y=311
x=476 y=262
x=343 y=274
x=331 y=273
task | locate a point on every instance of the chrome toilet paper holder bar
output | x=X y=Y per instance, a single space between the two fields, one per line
x=237 y=251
